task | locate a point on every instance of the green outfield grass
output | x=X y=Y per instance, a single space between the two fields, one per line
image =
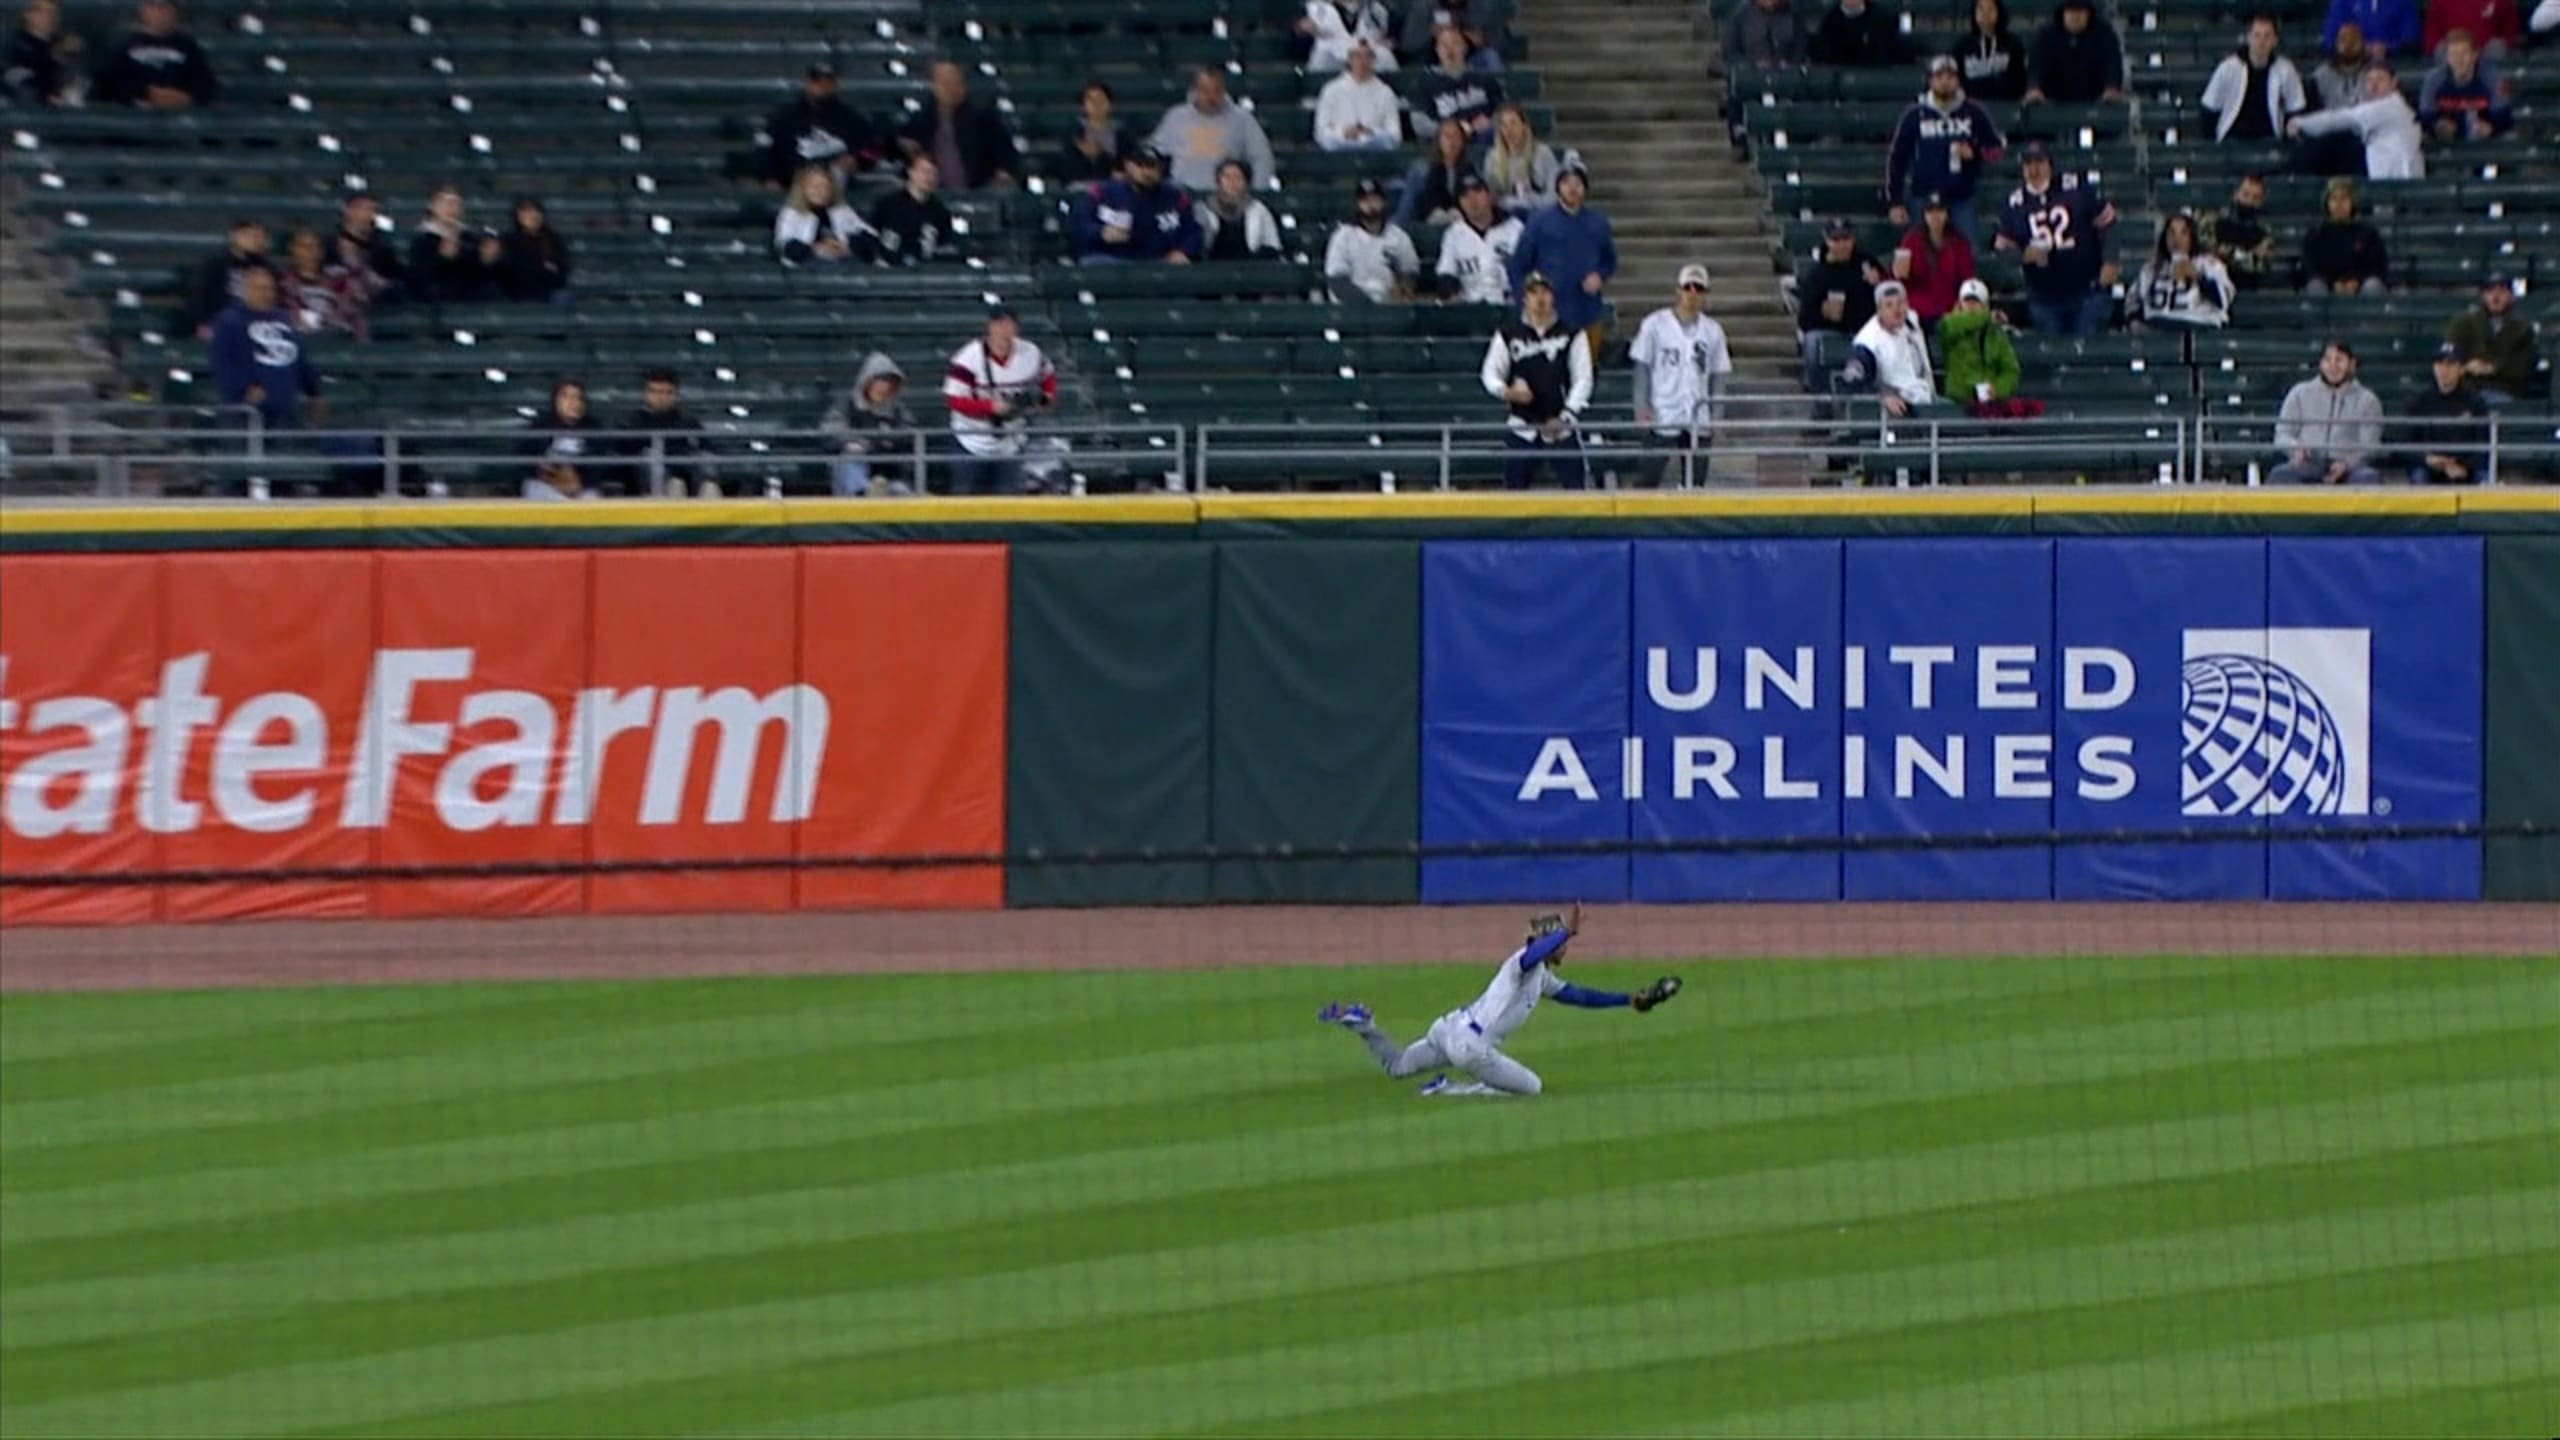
x=2059 y=1198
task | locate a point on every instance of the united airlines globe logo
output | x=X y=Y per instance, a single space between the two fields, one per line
x=2258 y=741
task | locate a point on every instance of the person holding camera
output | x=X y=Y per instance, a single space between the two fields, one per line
x=993 y=387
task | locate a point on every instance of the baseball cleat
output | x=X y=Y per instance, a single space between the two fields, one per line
x=1338 y=1014
x=1435 y=1085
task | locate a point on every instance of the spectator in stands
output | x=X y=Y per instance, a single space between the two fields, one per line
x=910 y=225
x=40 y=65
x=2338 y=80
x=2344 y=253
x=1939 y=147
x=1982 y=361
x=2238 y=234
x=816 y=227
x=258 y=358
x=2059 y=223
x=2444 y=435
x=1520 y=167
x=533 y=260
x=2498 y=25
x=1835 y=295
x=2184 y=287
x=2330 y=426
x=1209 y=129
x=1137 y=219
x=1452 y=90
x=1538 y=366
x=664 y=442
x=1358 y=111
x=1485 y=23
x=1933 y=261
x=361 y=241
x=994 y=385
x=1890 y=356
x=157 y=66
x=866 y=422
x=966 y=137
x=816 y=127
x=560 y=445
x=1860 y=35
x=1431 y=187
x=449 y=261
x=2500 y=349
x=1994 y=60
x=1766 y=35
x=1094 y=142
x=2078 y=59
x=2255 y=89
x=1333 y=28
x=2390 y=27
x=1681 y=362
x=1573 y=244
x=1234 y=225
x=323 y=296
x=1475 y=252
x=2378 y=135
x=216 y=284
x=1369 y=254
x=2463 y=98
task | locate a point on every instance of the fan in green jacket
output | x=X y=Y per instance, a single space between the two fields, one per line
x=1977 y=348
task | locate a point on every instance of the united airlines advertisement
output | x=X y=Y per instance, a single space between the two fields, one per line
x=2004 y=692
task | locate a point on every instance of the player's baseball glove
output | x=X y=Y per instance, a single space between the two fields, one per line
x=1546 y=924
x=1657 y=992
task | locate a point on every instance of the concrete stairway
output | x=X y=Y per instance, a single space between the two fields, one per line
x=49 y=350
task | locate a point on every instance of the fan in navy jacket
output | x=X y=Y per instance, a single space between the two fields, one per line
x=1138 y=217
x=1538 y=366
x=2060 y=222
x=257 y=355
x=1941 y=145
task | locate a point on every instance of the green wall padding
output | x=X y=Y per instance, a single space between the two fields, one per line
x=2523 y=715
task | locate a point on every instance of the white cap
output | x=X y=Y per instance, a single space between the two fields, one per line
x=1694 y=275
x=1974 y=290
x=1889 y=289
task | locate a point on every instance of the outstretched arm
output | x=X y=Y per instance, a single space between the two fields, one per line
x=1592 y=999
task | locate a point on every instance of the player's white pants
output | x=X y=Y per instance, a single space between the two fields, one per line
x=1455 y=1042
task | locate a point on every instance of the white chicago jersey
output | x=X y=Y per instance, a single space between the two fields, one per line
x=1019 y=379
x=1480 y=260
x=1680 y=359
x=1506 y=1003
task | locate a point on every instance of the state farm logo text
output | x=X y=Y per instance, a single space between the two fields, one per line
x=276 y=761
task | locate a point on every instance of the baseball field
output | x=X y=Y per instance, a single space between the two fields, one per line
x=1104 y=1174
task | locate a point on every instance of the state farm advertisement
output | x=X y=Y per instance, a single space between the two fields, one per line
x=285 y=713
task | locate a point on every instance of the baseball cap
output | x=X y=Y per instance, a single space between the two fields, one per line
x=1974 y=290
x=1694 y=275
x=1001 y=311
x=1368 y=187
x=2497 y=280
x=1574 y=165
x=821 y=70
x=1149 y=153
x=1889 y=289
x=1473 y=181
x=1839 y=229
x=1933 y=201
x=1535 y=280
x=2034 y=150
x=1942 y=62
x=2448 y=351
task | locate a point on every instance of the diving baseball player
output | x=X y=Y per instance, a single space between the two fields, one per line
x=1470 y=1038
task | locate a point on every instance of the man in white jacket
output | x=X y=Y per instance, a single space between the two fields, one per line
x=1892 y=351
x=2330 y=426
x=2254 y=91
x=1370 y=255
x=1358 y=111
x=2383 y=120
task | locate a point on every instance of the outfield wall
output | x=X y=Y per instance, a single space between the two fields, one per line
x=273 y=688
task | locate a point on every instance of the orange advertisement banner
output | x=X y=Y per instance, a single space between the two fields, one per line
x=271 y=712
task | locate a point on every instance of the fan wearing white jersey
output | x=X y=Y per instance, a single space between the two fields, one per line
x=1470 y=1037
x=1681 y=363
x=994 y=385
x=1475 y=253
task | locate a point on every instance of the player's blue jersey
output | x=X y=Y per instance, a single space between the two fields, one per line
x=2072 y=218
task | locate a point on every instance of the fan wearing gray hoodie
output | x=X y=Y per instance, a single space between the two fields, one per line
x=867 y=421
x=2330 y=426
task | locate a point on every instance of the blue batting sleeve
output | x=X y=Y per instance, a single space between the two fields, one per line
x=1536 y=951
x=1591 y=999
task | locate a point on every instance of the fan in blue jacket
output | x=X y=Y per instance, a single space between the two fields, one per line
x=1572 y=244
x=1941 y=145
x=1137 y=218
x=258 y=357
x=2391 y=24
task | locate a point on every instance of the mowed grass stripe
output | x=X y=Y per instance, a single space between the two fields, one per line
x=962 y=1301
x=2492 y=1410
x=1137 y=1195
x=101 y=1031
x=1633 y=1269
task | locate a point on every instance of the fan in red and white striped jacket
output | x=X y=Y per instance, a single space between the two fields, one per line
x=993 y=385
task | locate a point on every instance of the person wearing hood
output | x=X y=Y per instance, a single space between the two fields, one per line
x=1994 y=61
x=2184 y=287
x=665 y=443
x=1860 y=35
x=559 y=445
x=2239 y=236
x=1333 y=28
x=1094 y=141
x=1982 y=361
x=2330 y=426
x=2444 y=439
x=1136 y=219
x=1431 y=187
x=911 y=225
x=2390 y=26
x=1358 y=111
x=1369 y=254
x=871 y=420
x=2255 y=89
x=258 y=358
x=1520 y=167
x=2077 y=60
x=2463 y=98
x=1208 y=129
x=1939 y=148
x=1234 y=224
x=816 y=127
x=1575 y=247
x=2344 y=254
x=2384 y=123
